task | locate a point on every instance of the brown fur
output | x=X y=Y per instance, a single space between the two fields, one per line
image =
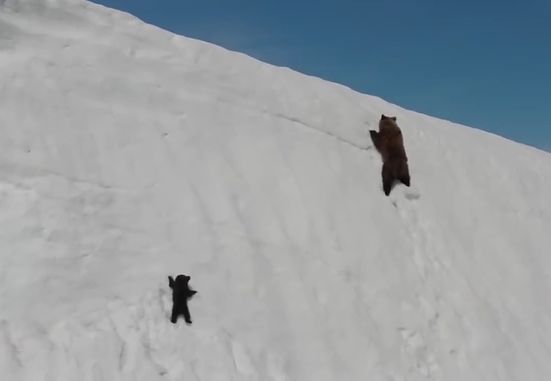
x=390 y=144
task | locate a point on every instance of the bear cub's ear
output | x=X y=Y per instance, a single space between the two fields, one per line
x=384 y=117
x=170 y=282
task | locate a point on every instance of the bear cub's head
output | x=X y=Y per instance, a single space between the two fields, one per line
x=387 y=122
x=180 y=283
x=182 y=279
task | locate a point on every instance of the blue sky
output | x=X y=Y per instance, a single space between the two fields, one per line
x=483 y=63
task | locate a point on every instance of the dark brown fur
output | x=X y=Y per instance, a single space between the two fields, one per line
x=390 y=144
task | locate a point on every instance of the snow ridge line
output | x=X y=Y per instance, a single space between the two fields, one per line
x=306 y=125
x=296 y=121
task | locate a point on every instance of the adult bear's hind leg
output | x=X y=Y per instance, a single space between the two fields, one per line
x=388 y=178
x=404 y=174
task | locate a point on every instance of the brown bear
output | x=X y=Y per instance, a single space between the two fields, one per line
x=390 y=144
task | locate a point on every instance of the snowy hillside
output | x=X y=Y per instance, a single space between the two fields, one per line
x=128 y=154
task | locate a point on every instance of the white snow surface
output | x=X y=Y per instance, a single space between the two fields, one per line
x=128 y=154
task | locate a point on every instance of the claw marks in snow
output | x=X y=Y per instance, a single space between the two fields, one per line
x=417 y=336
x=415 y=345
x=405 y=203
x=241 y=359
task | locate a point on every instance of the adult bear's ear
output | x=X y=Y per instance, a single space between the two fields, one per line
x=383 y=117
x=170 y=282
x=394 y=118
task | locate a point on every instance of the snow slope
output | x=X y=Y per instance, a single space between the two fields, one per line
x=128 y=154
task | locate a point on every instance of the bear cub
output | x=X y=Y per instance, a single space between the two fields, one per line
x=181 y=293
x=390 y=144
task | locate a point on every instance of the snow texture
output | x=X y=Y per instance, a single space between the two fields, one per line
x=128 y=154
